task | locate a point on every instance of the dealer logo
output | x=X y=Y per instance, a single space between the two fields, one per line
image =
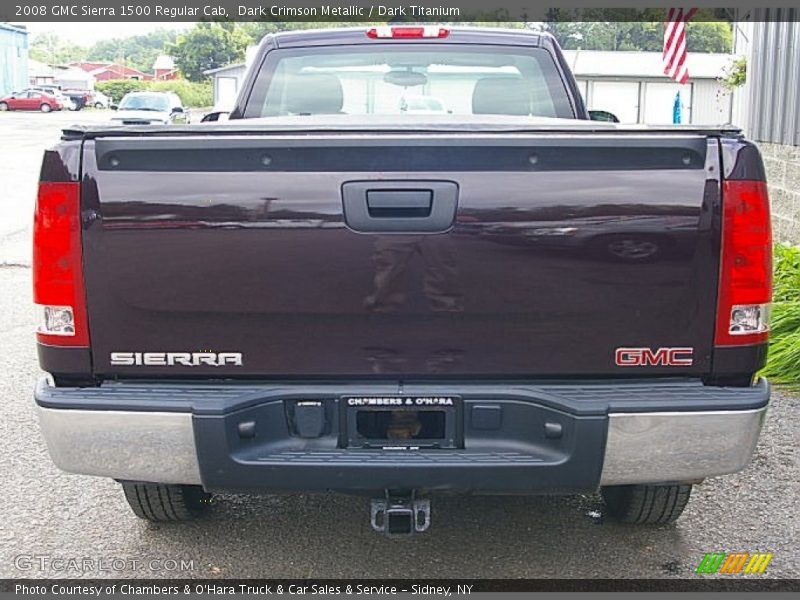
x=401 y=401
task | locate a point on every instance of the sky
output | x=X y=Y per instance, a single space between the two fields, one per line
x=87 y=34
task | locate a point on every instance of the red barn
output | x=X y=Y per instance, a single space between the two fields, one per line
x=164 y=68
x=103 y=71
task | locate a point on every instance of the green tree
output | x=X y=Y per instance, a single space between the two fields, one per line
x=208 y=46
x=625 y=29
x=138 y=51
x=117 y=88
x=709 y=36
x=52 y=50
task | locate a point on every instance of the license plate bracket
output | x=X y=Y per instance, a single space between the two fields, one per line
x=401 y=422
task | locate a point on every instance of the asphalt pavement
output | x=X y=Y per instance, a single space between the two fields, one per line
x=25 y=135
x=52 y=522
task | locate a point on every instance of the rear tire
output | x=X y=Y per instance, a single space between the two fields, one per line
x=646 y=504
x=161 y=503
x=45 y=108
x=3 y=106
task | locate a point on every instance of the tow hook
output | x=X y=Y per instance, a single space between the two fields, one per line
x=400 y=515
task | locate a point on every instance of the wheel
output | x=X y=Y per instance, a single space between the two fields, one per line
x=3 y=106
x=161 y=502
x=646 y=504
x=98 y=105
x=45 y=108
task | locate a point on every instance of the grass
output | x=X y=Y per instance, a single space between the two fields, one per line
x=783 y=365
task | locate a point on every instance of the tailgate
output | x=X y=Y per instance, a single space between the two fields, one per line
x=240 y=256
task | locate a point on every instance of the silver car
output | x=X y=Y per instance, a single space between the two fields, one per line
x=149 y=108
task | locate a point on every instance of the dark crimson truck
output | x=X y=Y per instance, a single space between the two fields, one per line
x=408 y=263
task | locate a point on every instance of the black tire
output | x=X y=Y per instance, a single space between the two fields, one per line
x=45 y=107
x=98 y=105
x=646 y=504
x=160 y=502
x=3 y=106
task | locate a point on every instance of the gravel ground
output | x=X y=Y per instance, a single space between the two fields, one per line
x=46 y=512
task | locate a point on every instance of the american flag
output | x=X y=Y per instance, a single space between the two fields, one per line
x=675 y=44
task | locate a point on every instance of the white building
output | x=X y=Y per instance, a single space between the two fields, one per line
x=73 y=78
x=633 y=87
x=40 y=73
x=227 y=81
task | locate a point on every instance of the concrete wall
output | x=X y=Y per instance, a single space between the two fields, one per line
x=783 y=175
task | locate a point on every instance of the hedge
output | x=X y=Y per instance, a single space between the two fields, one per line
x=783 y=365
x=196 y=95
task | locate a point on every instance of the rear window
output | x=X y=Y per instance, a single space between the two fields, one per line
x=411 y=80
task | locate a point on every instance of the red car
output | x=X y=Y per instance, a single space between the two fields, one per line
x=30 y=100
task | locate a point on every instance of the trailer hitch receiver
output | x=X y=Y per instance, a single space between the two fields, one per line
x=400 y=515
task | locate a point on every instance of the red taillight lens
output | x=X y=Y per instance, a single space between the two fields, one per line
x=58 y=266
x=745 y=283
x=425 y=31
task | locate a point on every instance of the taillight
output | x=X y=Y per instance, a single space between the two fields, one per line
x=745 y=282
x=424 y=31
x=57 y=265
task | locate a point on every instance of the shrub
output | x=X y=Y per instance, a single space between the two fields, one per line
x=787 y=273
x=117 y=88
x=783 y=365
x=196 y=95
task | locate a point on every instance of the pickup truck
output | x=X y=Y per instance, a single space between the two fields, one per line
x=331 y=292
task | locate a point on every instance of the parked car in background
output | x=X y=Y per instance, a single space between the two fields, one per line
x=220 y=112
x=100 y=100
x=50 y=88
x=67 y=103
x=149 y=108
x=80 y=98
x=31 y=100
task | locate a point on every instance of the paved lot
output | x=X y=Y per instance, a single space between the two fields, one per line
x=25 y=135
x=49 y=513
x=46 y=512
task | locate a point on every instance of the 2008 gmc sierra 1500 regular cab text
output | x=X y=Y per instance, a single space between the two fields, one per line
x=409 y=263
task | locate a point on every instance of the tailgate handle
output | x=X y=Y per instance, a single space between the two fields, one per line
x=387 y=204
x=400 y=206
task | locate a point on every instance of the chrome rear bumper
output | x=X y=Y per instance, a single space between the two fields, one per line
x=678 y=446
x=136 y=446
x=161 y=446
